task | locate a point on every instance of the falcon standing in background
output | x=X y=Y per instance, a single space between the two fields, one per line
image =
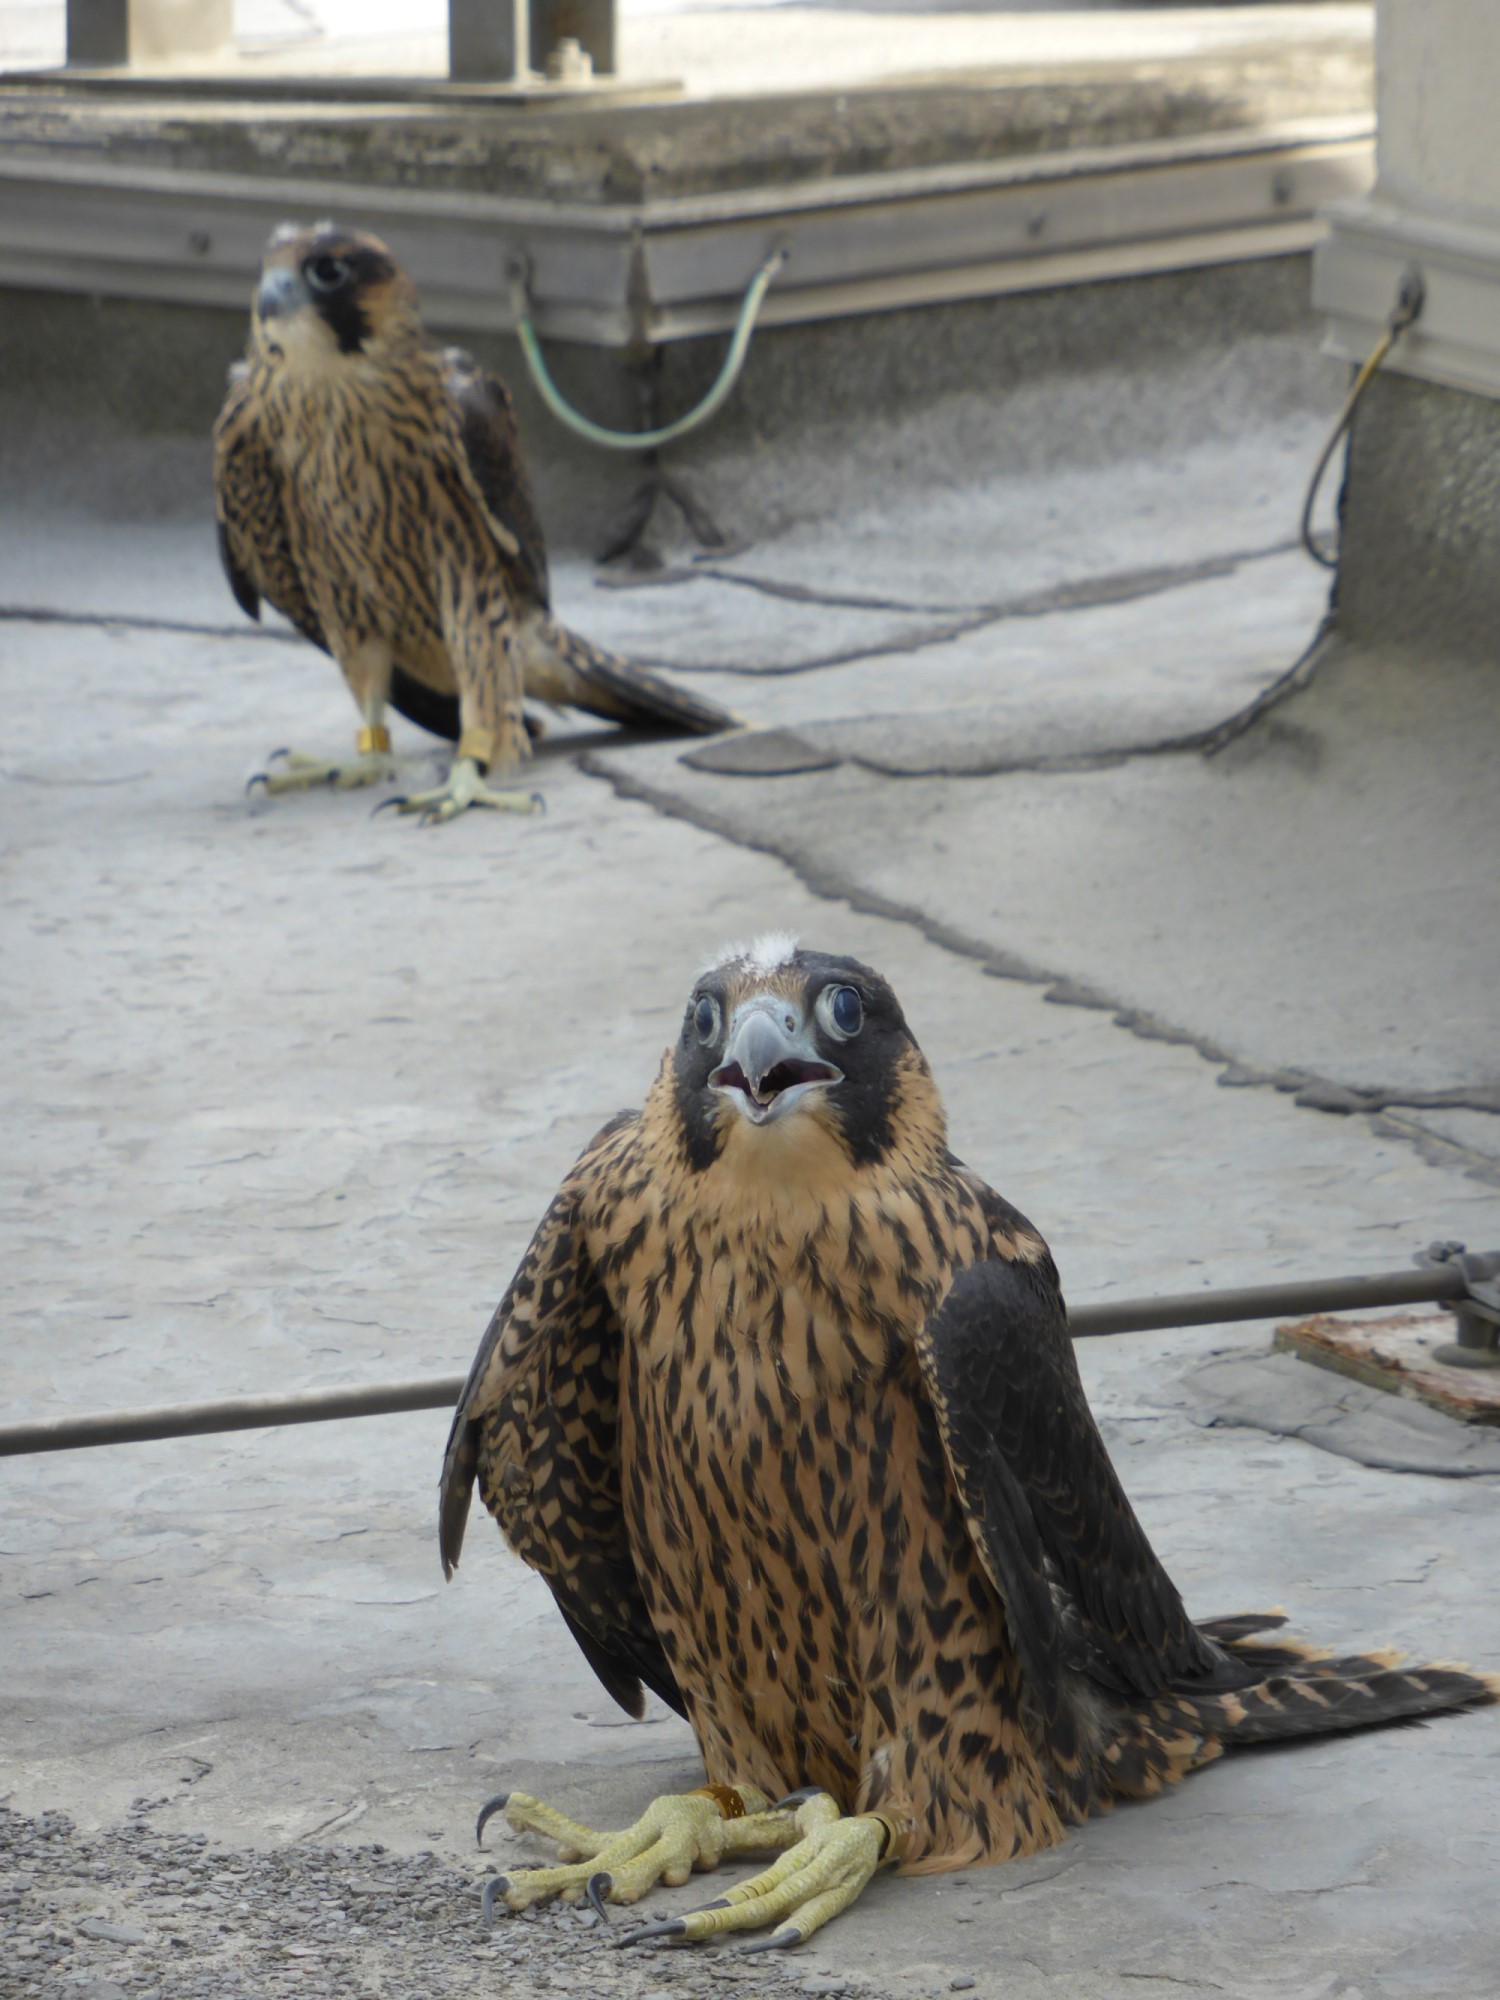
x=372 y=488
x=782 y=1404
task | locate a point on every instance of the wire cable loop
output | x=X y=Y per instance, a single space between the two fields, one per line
x=608 y=440
x=1411 y=294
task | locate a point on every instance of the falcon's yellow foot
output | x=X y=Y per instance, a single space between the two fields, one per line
x=814 y=1880
x=672 y=1837
x=464 y=787
x=295 y=771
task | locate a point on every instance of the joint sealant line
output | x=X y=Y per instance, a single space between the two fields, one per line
x=1428 y=1285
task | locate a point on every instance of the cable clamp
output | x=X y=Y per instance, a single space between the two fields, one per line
x=1478 y=1312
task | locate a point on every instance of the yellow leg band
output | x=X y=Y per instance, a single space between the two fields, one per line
x=374 y=737
x=478 y=744
x=725 y=1797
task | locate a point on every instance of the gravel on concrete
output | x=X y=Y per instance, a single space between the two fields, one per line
x=135 y=1913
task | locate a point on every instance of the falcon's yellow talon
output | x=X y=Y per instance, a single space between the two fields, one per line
x=826 y=1862
x=672 y=1838
x=295 y=771
x=812 y=1881
x=463 y=788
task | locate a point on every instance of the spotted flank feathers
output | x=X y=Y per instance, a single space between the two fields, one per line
x=785 y=1410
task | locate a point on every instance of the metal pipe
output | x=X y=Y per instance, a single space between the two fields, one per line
x=1426 y=1285
x=1423 y=1286
x=235 y=1413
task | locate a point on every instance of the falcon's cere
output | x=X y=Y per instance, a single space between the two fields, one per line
x=371 y=487
x=783 y=1405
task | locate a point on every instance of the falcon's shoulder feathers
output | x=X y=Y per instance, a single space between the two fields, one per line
x=492 y=445
x=1082 y=1585
x=255 y=544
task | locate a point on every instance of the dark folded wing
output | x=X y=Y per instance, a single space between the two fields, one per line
x=492 y=444
x=538 y=1425
x=1082 y=1586
x=255 y=544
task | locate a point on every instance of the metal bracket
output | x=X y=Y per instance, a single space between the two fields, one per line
x=113 y=34
x=503 y=41
x=1477 y=1313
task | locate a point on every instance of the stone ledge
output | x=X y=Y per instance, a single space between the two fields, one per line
x=1358 y=267
x=611 y=154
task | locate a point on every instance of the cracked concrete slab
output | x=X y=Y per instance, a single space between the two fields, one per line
x=1287 y=904
x=1060 y=475
x=162 y=567
x=1096 y=681
x=288 y=1088
x=702 y=624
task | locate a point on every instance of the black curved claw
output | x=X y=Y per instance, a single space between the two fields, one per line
x=794 y=1799
x=283 y=752
x=487 y=1812
x=718 y=1903
x=781 y=1940
x=257 y=778
x=493 y=1890
x=385 y=804
x=597 y=1888
x=664 y=1927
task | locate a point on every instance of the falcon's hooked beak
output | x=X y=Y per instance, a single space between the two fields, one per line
x=282 y=292
x=771 y=1060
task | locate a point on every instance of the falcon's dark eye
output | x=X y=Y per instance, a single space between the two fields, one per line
x=706 y=1018
x=841 y=1011
x=325 y=273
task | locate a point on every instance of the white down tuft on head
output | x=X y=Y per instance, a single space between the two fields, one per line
x=770 y=950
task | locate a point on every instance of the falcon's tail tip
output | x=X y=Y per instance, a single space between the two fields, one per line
x=565 y=668
x=1361 y=1692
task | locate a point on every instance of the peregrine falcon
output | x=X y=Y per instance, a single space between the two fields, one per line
x=372 y=488
x=782 y=1404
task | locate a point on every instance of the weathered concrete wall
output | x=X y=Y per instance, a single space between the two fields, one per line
x=107 y=404
x=1438 y=72
x=1420 y=553
x=1420 y=564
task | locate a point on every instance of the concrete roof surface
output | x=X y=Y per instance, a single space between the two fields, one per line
x=287 y=1089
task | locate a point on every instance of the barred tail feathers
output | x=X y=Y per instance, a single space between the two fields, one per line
x=572 y=672
x=1362 y=1692
x=1296 y=1691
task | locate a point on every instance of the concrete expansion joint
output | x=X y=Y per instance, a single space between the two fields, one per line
x=1308 y=1090
x=786 y=752
x=958 y=620
x=1080 y=594
x=956 y=627
x=35 y=614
